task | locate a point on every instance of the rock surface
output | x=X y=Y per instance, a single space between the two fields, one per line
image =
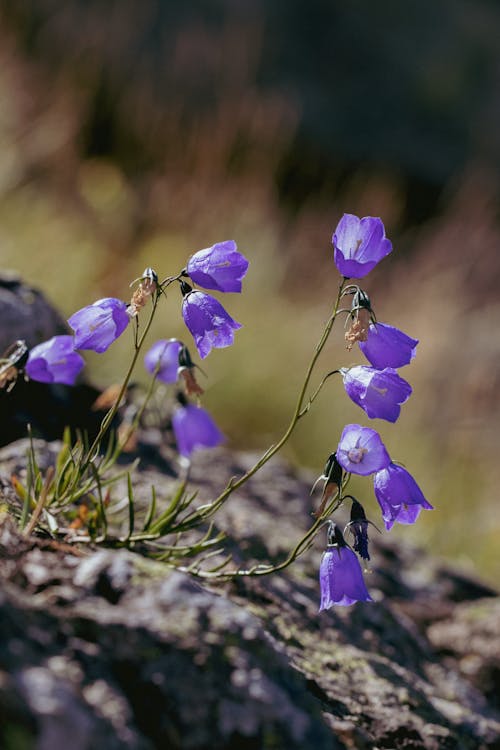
x=106 y=649
x=48 y=407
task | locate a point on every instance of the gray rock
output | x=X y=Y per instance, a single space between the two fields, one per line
x=131 y=653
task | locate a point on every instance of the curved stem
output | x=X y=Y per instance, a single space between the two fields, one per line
x=106 y=422
x=316 y=393
x=302 y=546
x=298 y=412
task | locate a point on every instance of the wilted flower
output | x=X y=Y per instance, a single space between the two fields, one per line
x=398 y=495
x=12 y=361
x=361 y=450
x=340 y=577
x=359 y=245
x=210 y=325
x=186 y=373
x=358 y=526
x=54 y=361
x=386 y=346
x=220 y=267
x=148 y=284
x=194 y=429
x=98 y=325
x=361 y=314
x=332 y=481
x=164 y=355
x=379 y=393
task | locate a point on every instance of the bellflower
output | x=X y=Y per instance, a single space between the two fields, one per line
x=386 y=346
x=210 y=325
x=54 y=361
x=98 y=325
x=194 y=429
x=379 y=393
x=398 y=495
x=220 y=267
x=359 y=244
x=164 y=354
x=340 y=577
x=361 y=450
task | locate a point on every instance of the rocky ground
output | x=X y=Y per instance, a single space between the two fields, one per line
x=106 y=649
x=103 y=648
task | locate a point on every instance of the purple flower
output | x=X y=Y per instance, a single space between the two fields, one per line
x=359 y=245
x=210 y=325
x=379 y=392
x=387 y=346
x=220 y=267
x=98 y=325
x=54 y=361
x=361 y=450
x=165 y=355
x=340 y=577
x=398 y=495
x=194 y=428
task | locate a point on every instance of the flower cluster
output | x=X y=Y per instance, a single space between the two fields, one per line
x=359 y=244
x=96 y=326
x=221 y=268
x=377 y=388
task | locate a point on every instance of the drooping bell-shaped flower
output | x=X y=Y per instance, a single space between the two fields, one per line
x=386 y=346
x=359 y=244
x=194 y=429
x=164 y=355
x=361 y=450
x=340 y=576
x=54 y=361
x=399 y=496
x=209 y=323
x=379 y=393
x=220 y=267
x=98 y=325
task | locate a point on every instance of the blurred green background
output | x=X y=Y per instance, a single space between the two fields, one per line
x=135 y=133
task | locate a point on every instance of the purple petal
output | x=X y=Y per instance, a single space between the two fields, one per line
x=209 y=323
x=98 y=325
x=194 y=429
x=399 y=496
x=387 y=346
x=361 y=450
x=359 y=244
x=166 y=353
x=54 y=361
x=220 y=267
x=341 y=579
x=378 y=392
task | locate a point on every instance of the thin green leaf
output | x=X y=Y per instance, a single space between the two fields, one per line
x=151 y=510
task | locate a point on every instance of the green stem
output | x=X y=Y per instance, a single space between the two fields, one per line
x=302 y=545
x=297 y=414
x=108 y=419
